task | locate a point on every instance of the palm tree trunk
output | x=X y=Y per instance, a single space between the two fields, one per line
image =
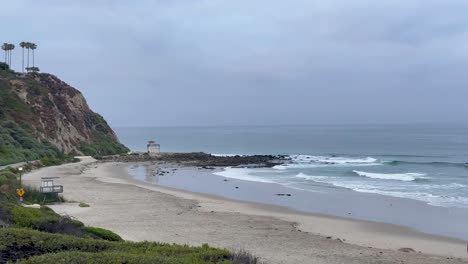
x=22 y=64
x=33 y=56
x=28 y=59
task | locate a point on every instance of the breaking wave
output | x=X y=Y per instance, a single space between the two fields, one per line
x=420 y=195
x=392 y=176
x=332 y=159
x=241 y=174
x=308 y=161
x=432 y=163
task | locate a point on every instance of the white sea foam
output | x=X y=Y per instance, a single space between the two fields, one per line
x=331 y=160
x=241 y=174
x=313 y=178
x=225 y=155
x=345 y=160
x=450 y=186
x=431 y=199
x=428 y=198
x=308 y=161
x=280 y=167
x=297 y=166
x=392 y=176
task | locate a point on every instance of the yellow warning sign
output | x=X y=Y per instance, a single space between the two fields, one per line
x=20 y=192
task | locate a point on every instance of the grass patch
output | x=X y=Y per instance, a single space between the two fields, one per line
x=84 y=205
x=34 y=196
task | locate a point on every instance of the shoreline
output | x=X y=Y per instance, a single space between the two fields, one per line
x=192 y=218
x=334 y=202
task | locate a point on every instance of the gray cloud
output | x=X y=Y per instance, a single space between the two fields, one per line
x=212 y=62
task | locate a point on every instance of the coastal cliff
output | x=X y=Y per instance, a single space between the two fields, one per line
x=41 y=116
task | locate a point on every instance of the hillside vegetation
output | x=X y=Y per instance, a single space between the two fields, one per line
x=42 y=116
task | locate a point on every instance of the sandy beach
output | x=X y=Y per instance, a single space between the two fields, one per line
x=139 y=211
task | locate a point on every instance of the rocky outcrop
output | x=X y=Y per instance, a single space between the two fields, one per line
x=57 y=113
x=203 y=160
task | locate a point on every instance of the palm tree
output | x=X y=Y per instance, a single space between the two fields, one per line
x=11 y=47
x=33 y=47
x=9 y=54
x=28 y=46
x=5 y=48
x=23 y=45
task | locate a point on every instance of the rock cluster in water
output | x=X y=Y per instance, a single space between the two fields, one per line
x=204 y=160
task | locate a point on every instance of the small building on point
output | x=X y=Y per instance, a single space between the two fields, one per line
x=153 y=148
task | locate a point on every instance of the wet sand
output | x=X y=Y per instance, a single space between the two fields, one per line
x=139 y=211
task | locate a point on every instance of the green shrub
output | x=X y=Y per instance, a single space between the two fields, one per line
x=102 y=233
x=83 y=205
x=114 y=257
x=103 y=146
x=244 y=257
x=8 y=173
x=4 y=66
x=19 y=144
x=62 y=225
x=78 y=223
x=44 y=219
x=7 y=177
x=24 y=243
x=25 y=217
x=5 y=214
x=47 y=209
x=50 y=161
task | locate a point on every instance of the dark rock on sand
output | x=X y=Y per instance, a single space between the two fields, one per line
x=407 y=250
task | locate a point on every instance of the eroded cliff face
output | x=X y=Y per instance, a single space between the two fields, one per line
x=56 y=112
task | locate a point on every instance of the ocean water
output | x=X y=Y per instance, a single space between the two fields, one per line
x=420 y=162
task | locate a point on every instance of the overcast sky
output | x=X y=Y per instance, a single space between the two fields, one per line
x=247 y=62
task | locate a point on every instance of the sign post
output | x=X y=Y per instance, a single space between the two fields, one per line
x=21 y=174
x=20 y=193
